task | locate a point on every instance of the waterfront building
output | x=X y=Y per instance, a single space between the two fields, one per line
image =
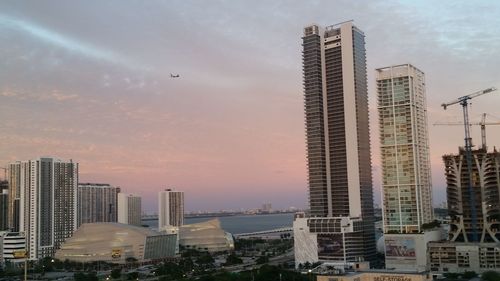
x=206 y=236
x=406 y=176
x=4 y=204
x=47 y=203
x=12 y=247
x=266 y=208
x=341 y=222
x=129 y=209
x=97 y=202
x=170 y=208
x=115 y=242
x=459 y=254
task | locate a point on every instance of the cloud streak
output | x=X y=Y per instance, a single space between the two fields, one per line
x=65 y=42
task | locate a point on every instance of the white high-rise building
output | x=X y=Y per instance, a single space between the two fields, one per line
x=47 y=203
x=170 y=208
x=97 y=202
x=129 y=209
x=406 y=176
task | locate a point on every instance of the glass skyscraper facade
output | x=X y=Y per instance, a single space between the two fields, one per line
x=406 y=178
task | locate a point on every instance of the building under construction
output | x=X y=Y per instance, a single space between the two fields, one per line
x=460 y=253
x=486 y=184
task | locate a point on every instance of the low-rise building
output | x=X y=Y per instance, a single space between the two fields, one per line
x=377 y=275
x=12 y=246
x=324 y=239
x=409 y=251
x=459 y=257
x=360 y=271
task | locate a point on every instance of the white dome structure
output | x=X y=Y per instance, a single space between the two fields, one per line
x=206 y=236
x=381 y=245
x=115 y=242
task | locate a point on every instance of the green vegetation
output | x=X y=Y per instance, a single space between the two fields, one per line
x=171 y=271
x=431 y=225
x=265 y=273
x=116 y=273
x=232 y=259
x=257 y=247
x=490 y=276
x=262 y=260
x=81 y=276
x=133 y=275
x=469 y=275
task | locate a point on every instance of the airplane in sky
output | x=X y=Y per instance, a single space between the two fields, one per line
x=174 y=75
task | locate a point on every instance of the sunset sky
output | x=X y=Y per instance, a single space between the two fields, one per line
x=90 y=81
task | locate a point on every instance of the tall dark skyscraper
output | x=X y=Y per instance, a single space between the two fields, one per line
x=338 y=143
x=14 y=207
x=4 y=202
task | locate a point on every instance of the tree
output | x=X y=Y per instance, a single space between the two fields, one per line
x=116 y=273
x=469 y=275
x=205 y=259
x=262 y=260
x=233 y=259
x=490 y=276
x=81 y=276
x=133 y=275
x=170 y=270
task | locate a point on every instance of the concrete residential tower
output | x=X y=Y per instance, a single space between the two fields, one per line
x=170 y=208
x=97 y=202
x=341 y=222
x=129 y=209
x=406 y=176
x=47 y=203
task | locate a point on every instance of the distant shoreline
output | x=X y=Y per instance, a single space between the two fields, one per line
x=214 y=215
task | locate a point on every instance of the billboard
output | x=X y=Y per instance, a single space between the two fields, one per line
x=116 y=253
x=400 y=247
x=20 y=254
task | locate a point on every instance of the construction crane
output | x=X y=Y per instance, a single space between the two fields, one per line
x=482 y=123
x=464 y=102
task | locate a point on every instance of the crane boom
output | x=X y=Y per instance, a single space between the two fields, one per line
x=468 y=97
x=462 y=123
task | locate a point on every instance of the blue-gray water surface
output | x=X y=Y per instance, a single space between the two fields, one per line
x=242 y=223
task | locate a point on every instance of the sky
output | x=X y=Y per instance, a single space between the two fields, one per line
x=90 y=81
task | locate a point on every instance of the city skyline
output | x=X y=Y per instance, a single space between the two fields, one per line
x=231 y=126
